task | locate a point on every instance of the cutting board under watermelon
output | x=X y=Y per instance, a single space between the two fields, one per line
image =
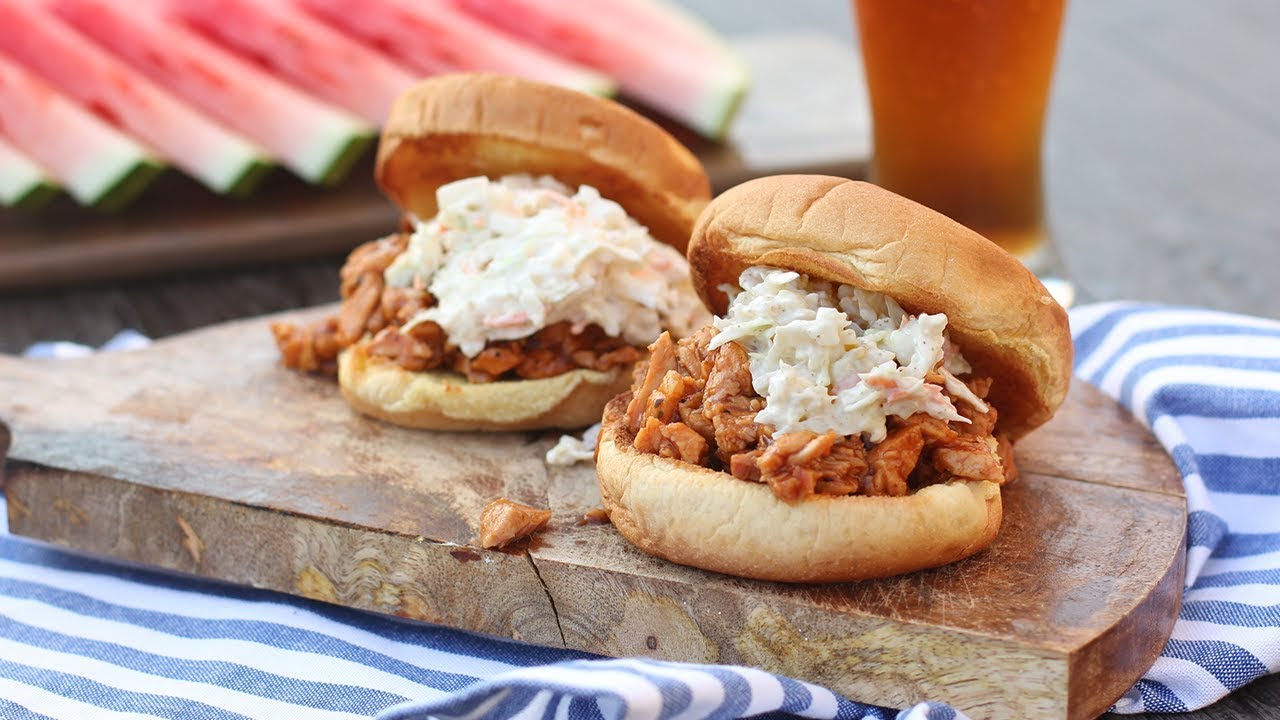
x=793 y=120
x=201 y=454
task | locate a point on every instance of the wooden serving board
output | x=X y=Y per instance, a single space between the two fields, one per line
x=201 y=454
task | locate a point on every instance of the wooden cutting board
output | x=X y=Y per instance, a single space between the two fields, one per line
x=201 y=454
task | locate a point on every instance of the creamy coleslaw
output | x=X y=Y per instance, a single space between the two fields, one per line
x=505 y=258
x=831 y=357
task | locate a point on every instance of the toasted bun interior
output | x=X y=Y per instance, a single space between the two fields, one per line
x=455 y=126
x=447 y=401
x=999 y=314
x=696 y=516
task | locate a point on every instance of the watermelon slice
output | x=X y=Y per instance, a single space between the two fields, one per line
x=436 y=38
x=659 y=54
x=281 y=37
x=317 y=141
x=97 y=163
x=202 y=148
x=22 y=182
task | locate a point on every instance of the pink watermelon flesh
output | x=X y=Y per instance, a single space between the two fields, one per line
x=202 y=148
x=436 y=38
x=659 y=54
x=23 y=183
x=98 y=164
x=282 y=38
x=317 y=141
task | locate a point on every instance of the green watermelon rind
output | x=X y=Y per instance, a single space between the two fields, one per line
x=31 y=195
x=221 y=160
x=251 y=175
x=162 y=49
x=716 y=111
x=115 y=179
x=332 y=153
x=237 y=172
x=718 y=108
x=23 y=183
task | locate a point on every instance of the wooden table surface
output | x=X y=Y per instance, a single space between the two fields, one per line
x=1163 y=176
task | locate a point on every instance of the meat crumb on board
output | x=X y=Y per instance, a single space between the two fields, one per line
x=504 y=521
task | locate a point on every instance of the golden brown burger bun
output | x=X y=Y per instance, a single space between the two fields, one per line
x=447 y=401
x=697 y=516
x=999 y=314
x=455 y=126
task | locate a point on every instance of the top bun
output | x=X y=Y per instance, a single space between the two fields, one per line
x=1003 y=319
x=451 y=127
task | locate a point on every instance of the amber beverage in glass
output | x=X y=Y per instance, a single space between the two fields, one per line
x=958 y=94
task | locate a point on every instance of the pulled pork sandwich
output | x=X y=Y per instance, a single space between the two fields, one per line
x=851 y=410
x=541 y=254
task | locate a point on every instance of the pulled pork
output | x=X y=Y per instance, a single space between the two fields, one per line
x=698 y=405
x=504 y=521
x=370 y=306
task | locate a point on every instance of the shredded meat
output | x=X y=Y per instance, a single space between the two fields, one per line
x=551 y=351
x=892 y=460
x=666 y=400
x=970 y=457
x=787 y=463
x=1005 y=448
x=315 y=347
x=359 y=310
x=504 y=521
x=931 y=428
x=746 y=465
x=691 y=414
x=784 y=447
x=594 y=516
x=980 y=386
x=689 y=402
x=687 y=445
x=648 y=439
x=692 y=361
x=672 y=440
x=493 y=361
x=399 y=305
x=691 y=352
x=371 y=308
x=309 y=348
x=370 y=258
x=840 y=471
x=362 y=285
x=980 y=424
x=662 y=358
x=729 y=401
x=419 y=349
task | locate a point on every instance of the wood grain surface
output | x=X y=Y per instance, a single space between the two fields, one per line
x=202 y=454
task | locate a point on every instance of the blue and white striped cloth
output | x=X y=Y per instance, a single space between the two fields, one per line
x=1208 y=385
x=87 y=638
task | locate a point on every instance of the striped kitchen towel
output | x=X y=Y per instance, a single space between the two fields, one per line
x=82 y=637
x=1208 y=385
x=89 y=638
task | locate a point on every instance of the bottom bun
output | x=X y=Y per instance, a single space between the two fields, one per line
x=447 y=401
x=708 y=519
